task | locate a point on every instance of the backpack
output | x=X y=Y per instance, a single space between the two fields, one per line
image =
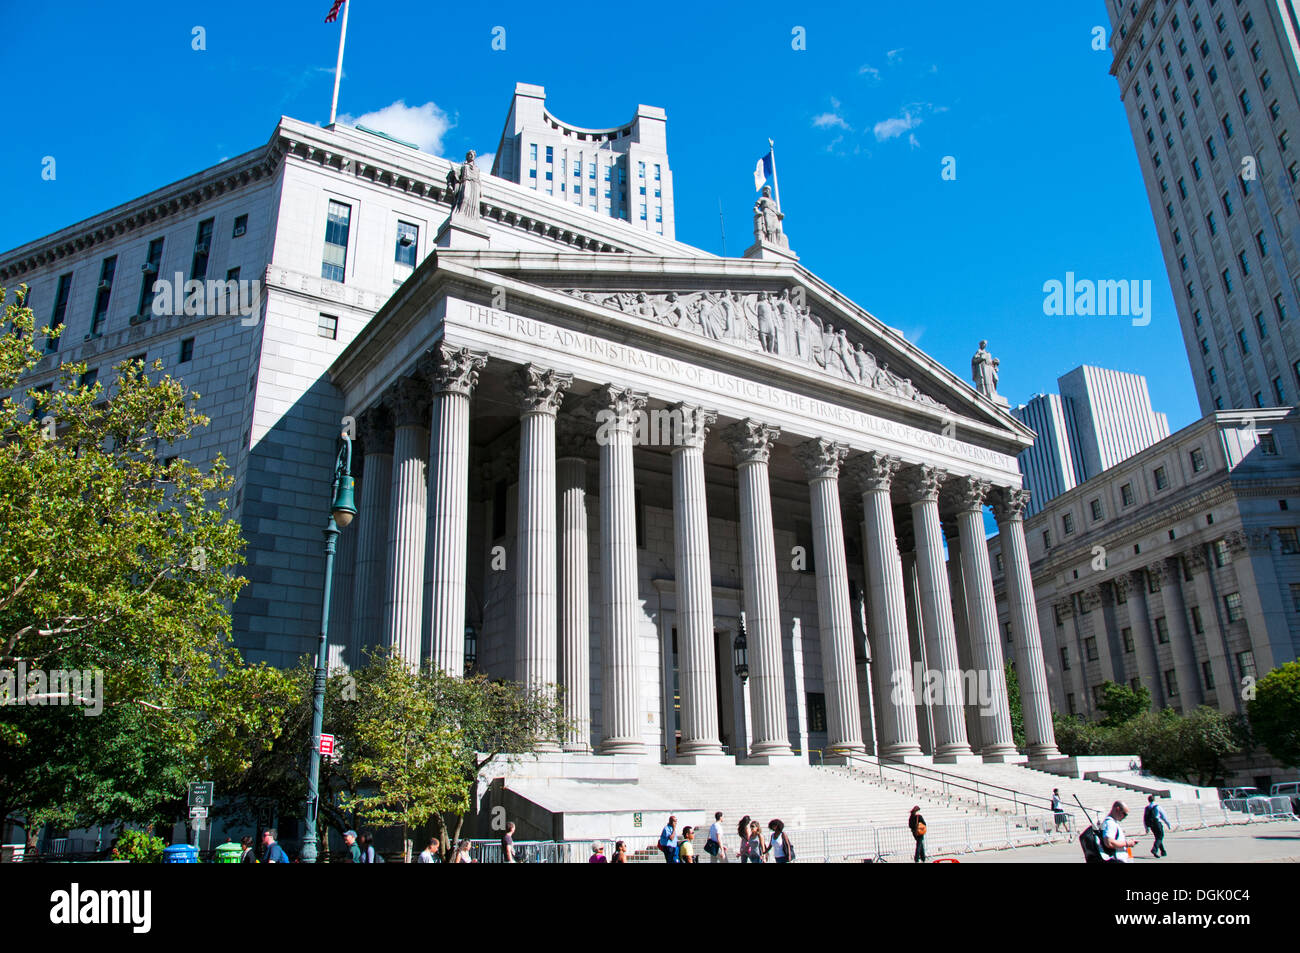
x=789 y=849
x=1090 y=841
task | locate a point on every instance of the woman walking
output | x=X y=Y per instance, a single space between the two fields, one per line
x=620 y=853
x=742 y=830
x=755 y=843
x=917 y=825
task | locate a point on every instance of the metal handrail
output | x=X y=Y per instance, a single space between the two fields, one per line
x=1021 y=799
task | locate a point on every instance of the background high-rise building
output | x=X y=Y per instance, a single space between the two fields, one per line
x=1100 y=418
x=621 y=171
x=1212 y=92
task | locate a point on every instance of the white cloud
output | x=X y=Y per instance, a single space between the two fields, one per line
x=870 y=71
x=829 y=121
x=895 y=56
x=484 y=160
x=893 y=128
x=423 y=125
x=912 y=141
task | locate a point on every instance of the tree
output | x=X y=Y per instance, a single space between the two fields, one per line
x=1274 y=713
x=117 y=562
x=1076 y=737
x=1017 y=710
x=1190 y=747
x=1122 y=704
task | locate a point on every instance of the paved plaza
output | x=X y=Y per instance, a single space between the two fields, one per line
x=1276 y=842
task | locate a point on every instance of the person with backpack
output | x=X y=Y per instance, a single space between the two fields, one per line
x=272 y=853
x=780 y=848
x=1155 y=820
x=916 y=824
x=1114 y=845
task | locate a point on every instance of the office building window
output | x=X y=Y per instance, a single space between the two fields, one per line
x=103 y=293
x=1065 y=658
x=187 y=351
x=60 y=310
x=1279 y=392
x=1198 y=459
x=149 y=276
x=1090 y=648
x=1198 y=623
x=1171 y=683
x=241 y=227
x=1232 y=607
x=1295 y=596
x=337 y=225
x=1126 y=634
x=1222 y=554
x=1162 y=630
x=1095 y=508
x=1207 y=676
x=88 y=379
x=327 y=326
x=1267 y=445
x=816 y=711
x=1289 y=539
x=1067 y=523
x=408 y=237
x=1246 y=663
x=1161 y=478
x=202 y=248
x=1126 y=494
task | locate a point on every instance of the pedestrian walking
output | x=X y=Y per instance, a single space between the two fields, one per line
x=686 y=848
x=742 y=831
x=430 y=854
x=1155 y=820
x=462 y=853
x=781 y=849
x=713 y=846
x=508 y=844
x=353 y=854
x=668 y=840
x=620 y=853
x=1114 y=845
x=598 y=854
x=755 y=843
x=1061 y=818
x=916 y=824
x=272 y=853
x=366 y=849
x=249 y=856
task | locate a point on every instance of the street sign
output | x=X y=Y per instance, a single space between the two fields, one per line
x=200 y=794
x=198 y=812
x=327 y=745
x=636 y=819
x=197 y=823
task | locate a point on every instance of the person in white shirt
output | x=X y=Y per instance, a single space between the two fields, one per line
x=713 y=846
x=1114 y=846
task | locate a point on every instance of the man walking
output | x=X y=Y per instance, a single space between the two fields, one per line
x=1058 y=814
x=354 y=852
x=1155 y=820
x=668 y=840
x=713 y=846
x=508 y=844
x=272 y=853
x=1114 y=845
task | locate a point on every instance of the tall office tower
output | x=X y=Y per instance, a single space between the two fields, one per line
x=621 y=171
x=1212 y=92
x=1099 y=418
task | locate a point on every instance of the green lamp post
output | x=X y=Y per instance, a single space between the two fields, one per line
x=342 y=509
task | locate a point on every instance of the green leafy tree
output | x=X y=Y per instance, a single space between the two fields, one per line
x=113 y=561
x=1076 y=737
x=1274 y=713
x=1121 y=703
x=1017 y=711
x=137 y=847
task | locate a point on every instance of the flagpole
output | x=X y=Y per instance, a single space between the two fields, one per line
x=776 y=183
x=338 y=68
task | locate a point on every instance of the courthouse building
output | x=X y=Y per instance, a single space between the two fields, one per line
x=720 y=504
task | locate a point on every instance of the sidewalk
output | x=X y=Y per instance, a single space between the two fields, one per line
x=1275 y=842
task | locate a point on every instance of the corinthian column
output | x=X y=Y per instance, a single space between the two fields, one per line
x=982 y=621
x=453 y=374
x=923 y=485
x=697 y=669
x=891 y=659
x=1207 y=599
x=406 y=520
x=1139 y=617
x=822 y=460
x=539 y=392
x=575 y=626
x=751 y=442
x=1180 y=635
x=1031 y=671
x=375 y=428
x=621 y=713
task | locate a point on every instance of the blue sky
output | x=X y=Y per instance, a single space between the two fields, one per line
x=1047 y=176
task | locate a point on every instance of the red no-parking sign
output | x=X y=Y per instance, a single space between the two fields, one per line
x=327 y=745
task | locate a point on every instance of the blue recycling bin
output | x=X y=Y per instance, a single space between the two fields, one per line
x=180 y=854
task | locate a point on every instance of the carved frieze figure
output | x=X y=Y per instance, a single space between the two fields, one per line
x=984 y=371
x=866 y=362
x=463 y=183
x=803 y=328
x=766 y=323
x=767 y=220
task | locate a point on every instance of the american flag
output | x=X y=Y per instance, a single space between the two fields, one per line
x=334 y=11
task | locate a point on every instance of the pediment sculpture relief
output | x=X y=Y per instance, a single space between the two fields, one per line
x=767 y=322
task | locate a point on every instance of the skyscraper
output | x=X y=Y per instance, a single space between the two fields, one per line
x=1212 y=92
x=1100 y=418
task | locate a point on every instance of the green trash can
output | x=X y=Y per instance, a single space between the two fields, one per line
x=228 y=853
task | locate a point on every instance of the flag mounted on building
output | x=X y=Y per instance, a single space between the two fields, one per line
x=334 y=11
x=763 y=170
x=343 y=38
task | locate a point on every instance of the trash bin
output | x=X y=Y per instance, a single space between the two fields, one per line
x=180 y=854
x=228 y=853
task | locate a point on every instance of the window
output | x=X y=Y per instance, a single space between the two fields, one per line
x=1047 y=539
x=816 y=711
x=1067 y=523
x=103 y=293
x=1244 y=262
x=1210 y=375
x=1246 y=663
x=337 y=224
x=550 y=154
x=1267 y=445
x=1279 y=392
x=1207 y=676
x=60 y=310
x=1232 y=607
x=1227 y=281
x=1227 y=203
x=1222 y=555
x=1065 y=658
x=1198 y=460
x=1153 y=583
x=1162 y=630
x=1211 y=224
x=1090 y=648
x=89 y=378
x=187 y=350
x=241 y=227
x=408 y=237
x=153 y=261
x=1209 y=147
x=1126 y=494
x=1227 y=126
x=1162 y=480
x=327 y=326
x=1135 y=683
x=1126 y=634
x=1244 y=98
x=1069 y=703
x=1121 y=594
x=1290 y=540
x=1198 y=623
x=1280 y=308
x=202 y=248
x=1295 y=596
x=1171 y=683
x=1096 y=695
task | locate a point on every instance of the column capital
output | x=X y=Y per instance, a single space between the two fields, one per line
x=874 y=470
x=821 y=458
x=1244 y=540
x=970 y=494
x=452 y=370
x=375 y=429
x=1064 y=608
x=408 y=401
x=573 y=437
x=539 y=390
x=922 y=483
x=1090 y=598
x=751 y=440
x=614 y=407
x=1009 y=504
x=693 y=426
x=1196 y=557
x=1159 y=571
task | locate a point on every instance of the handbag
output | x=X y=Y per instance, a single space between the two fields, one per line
x=711 y=848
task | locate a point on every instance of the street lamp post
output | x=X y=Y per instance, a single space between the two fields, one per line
x=342 y=509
